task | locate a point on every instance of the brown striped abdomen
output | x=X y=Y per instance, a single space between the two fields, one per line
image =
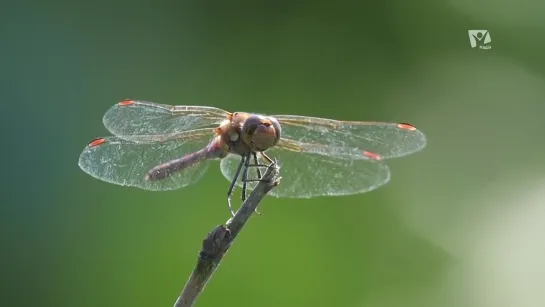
x=166 y=169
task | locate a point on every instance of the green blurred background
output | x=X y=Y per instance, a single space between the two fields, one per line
x=460 y=223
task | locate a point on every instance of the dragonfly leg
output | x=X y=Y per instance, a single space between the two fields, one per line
x=245 y=177
x=264 y=155
x=258 y=165
x=232 y=185
x=259 y=175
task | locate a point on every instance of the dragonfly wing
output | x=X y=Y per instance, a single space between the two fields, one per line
x=123 y=162
x=311 y=174
x=133 y=117
x=389 y=140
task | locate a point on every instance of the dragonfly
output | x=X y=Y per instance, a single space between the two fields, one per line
x=161 y=147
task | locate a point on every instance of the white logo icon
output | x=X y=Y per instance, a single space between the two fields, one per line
x=480 y=38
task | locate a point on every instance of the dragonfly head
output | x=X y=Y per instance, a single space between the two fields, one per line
x=261 y=132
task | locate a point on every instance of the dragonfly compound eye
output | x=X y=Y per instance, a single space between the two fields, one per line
x=261 y=132
x=277 y=129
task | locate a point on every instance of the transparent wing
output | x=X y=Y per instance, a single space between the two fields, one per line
x=311 y=174
x=389 y=140
x=119 y=161
x=133 y=117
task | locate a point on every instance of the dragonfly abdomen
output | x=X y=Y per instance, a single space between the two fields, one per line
x=166 y=169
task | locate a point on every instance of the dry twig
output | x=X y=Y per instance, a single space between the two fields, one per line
x=218 y=241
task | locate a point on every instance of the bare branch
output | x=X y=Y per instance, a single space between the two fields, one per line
x=218 y=241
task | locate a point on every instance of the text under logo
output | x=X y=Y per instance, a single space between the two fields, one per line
x=480 y=39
